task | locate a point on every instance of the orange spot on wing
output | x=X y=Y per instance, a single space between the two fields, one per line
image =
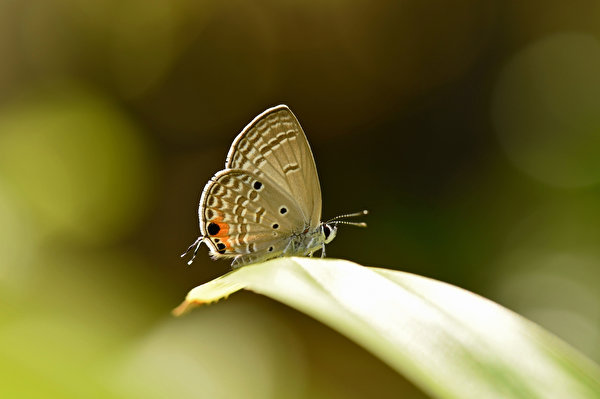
x=223 y=233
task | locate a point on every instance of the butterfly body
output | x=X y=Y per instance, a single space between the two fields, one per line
x=266 y=203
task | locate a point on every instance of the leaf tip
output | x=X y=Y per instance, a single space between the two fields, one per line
x=208 y=293
x=184 y=307
x=187 y=305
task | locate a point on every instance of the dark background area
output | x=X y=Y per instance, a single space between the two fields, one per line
x=470 y=131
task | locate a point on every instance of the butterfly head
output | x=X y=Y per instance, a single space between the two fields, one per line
x=328 y=231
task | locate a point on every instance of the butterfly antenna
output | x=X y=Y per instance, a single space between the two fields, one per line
x=349 y=215
x=358 y=224
x=195 y=244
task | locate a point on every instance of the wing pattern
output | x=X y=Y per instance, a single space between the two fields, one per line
x=274 y=145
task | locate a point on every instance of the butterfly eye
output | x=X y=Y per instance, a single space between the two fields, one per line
x=326 y=231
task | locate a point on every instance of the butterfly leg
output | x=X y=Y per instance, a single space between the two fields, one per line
x=323 y=251
x=196 y=243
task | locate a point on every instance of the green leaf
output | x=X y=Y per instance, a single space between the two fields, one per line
x=448 y=341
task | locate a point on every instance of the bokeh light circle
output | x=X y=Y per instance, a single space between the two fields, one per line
x=78 y=163
x=545 y=110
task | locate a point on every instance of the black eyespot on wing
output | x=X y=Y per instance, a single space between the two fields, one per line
x=213 y=229
x=257 y=185
x=217 y=239
x=270 y=249
x=283 y=210
x=275 y=226
x=326 y=231
x=221 y=248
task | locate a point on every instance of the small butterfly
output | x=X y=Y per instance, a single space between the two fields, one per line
x=266 y=203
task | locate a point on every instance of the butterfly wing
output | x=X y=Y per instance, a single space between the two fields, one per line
x=247 y=217
x=274 y=145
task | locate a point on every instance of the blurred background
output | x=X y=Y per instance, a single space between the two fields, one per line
x=470 y=130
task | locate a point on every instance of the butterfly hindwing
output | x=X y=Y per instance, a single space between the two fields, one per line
x=247 y=216
x=275 y=145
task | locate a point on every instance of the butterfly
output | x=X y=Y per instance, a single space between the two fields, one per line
x=266 y=203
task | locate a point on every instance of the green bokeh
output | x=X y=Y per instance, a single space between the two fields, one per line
x=470 y=132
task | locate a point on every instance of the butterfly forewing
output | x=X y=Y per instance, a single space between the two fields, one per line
x=246 y=215
x=274 y=145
